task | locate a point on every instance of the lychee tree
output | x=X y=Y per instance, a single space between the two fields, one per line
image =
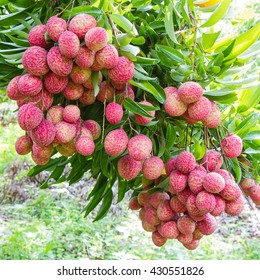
x=149 y=95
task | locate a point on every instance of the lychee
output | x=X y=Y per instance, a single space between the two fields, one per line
x=170 y=166
x=42 y=152
x=148 y=227
x=89 y=84
x=139 y=147
x=69 y=44
x=129 y=92
x=40 y=161
x=114 y=113
x=246 y=184
x=85 y=146
x=176 y=205
x=88 y=97
x=152 y=168
x=158 y=240
x=213 y=182
x=212 y=160
x=190 y=92
x=85 y=132
x=54 y=83
x=186 y=225
x=55 y=27
x=195 y=180
x=188 y=119
x=178 y=182
x=128 y=168
x=219 y=207
x=23 y=145
x=65 y=132
x=144 y=196
x=205 y=202
x=170 y=91
x=71 y=113
x=174 y=106
x=106 y=92
x=43 y=100
x=225 y=174
x=157 y=198
x=145 y=120
x=80 y=75
x=165 y=212
x=55 y=114
x=214 y=117
x=208 y=225
x=13 y=90
x=44 y=133
x=232 y=146
x=93 y=127
x=192 y=206
x=151 y=216
x=29 y=85
x=185 y=162
x=96 y=38
x=193 y=245
x=73 y=91
x=231 y=190
x=133 y=203
x=67 y=149
x=197 y=235
x=184 y=195
x=36 y=36
x=185 y=238
x=254 y=193
x=235 y=207
x=200 y=109
x=107 y=57
x=85 y=57
x=116 y=142
x=169 y=230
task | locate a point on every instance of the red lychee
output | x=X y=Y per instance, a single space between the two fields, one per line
x=185 y=162
x=174 y=106
x=185 y=238
x=170 y=166
x=128 y=168
x=212 y=160
x=220 y=206
x=114 y=113
x=88 y=97
x=165 y=212
x=232 y=146
x=23 y=145
x=43 y=100
x=195 y=180
x=133 y=203
x=69 y=44
x=129 y=92
x=231 y=190
x=13 y=91
x=107 y=57
x=96 y=38
x=176 y=205
x=43 y=134
x=71 y=113
x=246 y=184
x=36 y=36
x=85 y=146
x=96 y=66
x=208 y=225
x=157 y=198
x=29 y=85
x=186 y=225
x=254 y=193
x=116 y=142
x=106 y=92
x=151 y=216
x=197 y=235
x=145 y=120
x=214 y=117
x=93 y=127
x=190 y=92
x=225 y=174
x=65 y=132
x=89 y=84
x=54 y=83
x=194 y=244
x=85 y=57
x=169 y=230
x=158 y=240
x=55 y=114
x=152 y=168
x=84 y=132
x=80 y=75
x=55 y=27
x=148 y=227
x=200 y=109
x=40 y=161
x=188 y=119
x=41 y=152
x=235 y=207
x=170 y=90
x=192 y=206
x=184 y=195
x=213 y=182
x=73 y=91
x=178 y=182
x=205 y=202
x=139 y=147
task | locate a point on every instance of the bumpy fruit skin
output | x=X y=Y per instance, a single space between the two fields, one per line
x=178 y=182
x=169 y=230
x=195 y=180
x=85 y=57
x=55 y=114
x=193 y=245
x=36 y=67
x=231 y=190
x=232 y=146
x=208 y=225
x=199 y=110
x=165 y=212
x=123 y=71
x=36 y=36
x=185 y=162
x=186 y=225
x=80 y=75
x=89 y=84
x=96 y=38
x=214 y=117
x=197 y=235
x=192 y=208
x=150 y=216
x=158 y=239
x=170 y=166
x=212 y=160
x=176 y=205
x=185 y=238
x=219 y=207
x=43 y=100
x=235 y=207
x=29 y=116
x=246 y=184
x=44 y=133
x=157 y=198
x=96 y=66
x=23 y=145
x=205 y=202
x=93 y=127
x=190 y=92
x=58 y=63
x=13 y=91
x=54 y=83
x=225 y=174
x=88 y=97
x=174 y=106
x=67 y=149
x=73 y=91
x=81 y=24
x=71 y=113
x=133 y=203
x=213 y=182
x=85 y=146
x=114 y=113
x=107 y=57
x=254 y=193
x=139 y=147
x=184 y=195
x=40 y=161
x=69 y=44
x=188 y=119
x=170 y=91
x=106 y=92
x=84 y=132
x=29 y=85
x=145 y=120
x=41 y=152
x=148 y=227
x=152 y=168
x=55 y=27
x=65 y=132
x=126 y=93
x=116 y=142
x=128 y=168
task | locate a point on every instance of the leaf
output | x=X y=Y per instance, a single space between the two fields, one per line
x=94 y=78
x=80 y=10
x=170 y=136
x=249 y=99
x=209 y=39
x=135 y=108
x=218 y=14
x=172 y=53
x=254 y=135
x=244 y=127
x=147 y=61
x=130 y=51
x=105 y=206
x=236 y=168
x=124 y=23
x=122 y=189
x=168 y=22
x=140 y=76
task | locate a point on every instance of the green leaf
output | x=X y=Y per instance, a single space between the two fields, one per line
x=139 y=76
x=124 y=23
x=105 y=206
x=135 y=108
x=130 y=51
x=244 y=127
x=80 y=10
x=122 y=189
x=249 y=99
x=236 y=169
x=218 y=14
x=94 y=78
x=172 y=53
x=209 y=39
x=170 y=136
x=147 y=61
x=254 y=135
x=168 y=22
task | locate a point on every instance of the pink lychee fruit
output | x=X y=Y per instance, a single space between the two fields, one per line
x=170 y=166
x=232 y=146
x=36 y=36
x=185 y=238
x=93 y=127
x=123 y=71
x=212 y=160
x=205 y=202
x=106 y=92
x=174 y=106
x=178 y=182
x=235 y=207
x=145 y=120
x=84 y=132
x=114 y=113
x=36 y=67
x=71 y=113
x=188 y=119
x=191 y=206
x=246 y=184
x=89 y=84
x=58 y=63
x=73 y=91
x=200 y=109
x=144 y=196
x=55 y=114
x=128 y=168
x=165 y=212
x=54 y=83
x=148 y=227
x=231 y=190
x=185 y=162
x=42 y=152
x=152 y=168
x=96 y=38
x=116 y=142
x=43 y=100
x=40 y=161
x=177 y=206
x=184 y=195
x=129 y=92
x=65 y=132
x=13 y=90
x=158 y=239
x=80 y=75
x=151 y=216
x=193 y=245
x=213 y=182
x=23 y=145
x=29 y=116
x=169 y=230
x=190 y=92
x=195 y=180
x=139 y=147
x=69 y=44
x=85 y=57
x=208 y=225
x=170 y=91
x=96 y=66
x=81 y=24
x=141 y=213
x=29 y=85
x=214 y=117
x=55 y=27
x=186 y=225
x=133 y=203
x=254 y=193
x=219 y=207
x=225 y=174
x=107 y=57
x=85 y=146
x=157 y=198
x=44 y=133
x=88 y=97
x=197 y=235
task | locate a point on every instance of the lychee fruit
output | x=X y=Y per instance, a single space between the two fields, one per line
x=69 y=44
x=186 y=225
x=88 y=97
x=116 y=142
x=67 y=149
x=178 y=182
x=157 y=198
x=169 y=230
x=213 y=182
x=192 y=206
x=208 y=225
x=151 y=216
x=55 y=114
x=84 y=132
x=193 y=245
x=205 y=202
x=144 y=196
x=195 y=180
x=174 y=106
x=80 y=75
x=73 y=91
x=42 y=152
x=185 y=162
x=114 y=113
x=225 y=174
x=170 y=166
x=145 y=120
x=214 y=117
x=254 y=193
x=185 y=238
x=13 y=90
x=246 y=184
x=71 y=113
x=176 y=205
x=55 y=27
x=141 y=213
x=89 y=84
x=43 y=100
x=29 y=85
x=231 y=190
x=106 y=92
x=212 y=160
x=85 y=146
x=133 y=203
x=129 y=92
x=170 y=91
x=44 y=133
x=184 y=195
x=190 y=92
x=165 y=212
x=107 y=57
x=36 y=36
x=23 y=145
x=219 y=207
x=188 y=119
x=93 y=127
x=54 y=83
x=197 y=235
x=148 y=227
x=65 y=132
x=200 y=109
x=232 y=146
x=128 y=168
x=40 y=161
x=96 y=38
x=139 y=147
x=158 y=239
x=152 y=168
x=85 y=57
x=235 y=207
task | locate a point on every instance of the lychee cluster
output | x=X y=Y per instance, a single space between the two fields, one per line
x=196 y=194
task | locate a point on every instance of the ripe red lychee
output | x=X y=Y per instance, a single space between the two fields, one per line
x=89 y=84
x=235 y=207
x=41 y=152
x=55 y=27
x=246 y=184
x=123 y=71
x=188 y=119
x=133 y=203
x=141 y=213
x=174 y=106
x=81 y=24
x=145 y=120
x=157 y=198
x=212 y=160
x=44 y=133
x=148 y=227
x=29 y=116
x=190 y=92
x=71 y=113
x=73 y=91
x=170 y=90
x=178 y=182
x=43 y=100
x=23 y=145
x=184 y=195
x=213 y=182
x=36 y=67
x=152 y=168
x=93 y=127
x=40 y=161
x=191 y=206
x=169 y=230
x=205 y=202
x=128 y=168
x=225 y=174
x=185 y=238
x=151 y=216
x=114 y=113
x=107 y=57
x=106 y=92
x=139 y=147
x=170 y=166
x=65 y=132
x=58 y=63
x=231 y=190
x=13 y=91
x=158 y=240
x=80 y=75
x=185 y=162
x=36 y=36
x=29 y=85
x=85 y=146
x=254 y=193
x=200 y=109
x=69 y=44
x=96 y=66
x=144 y=197
x=165 y=212
x=193 y=245
x=88 y=97
x=232 y=146
x=55 y=114
x=219 y=207
x=85 y=57
x=195 y=180
x=176 y=205
x=208 y=225
x=116 y=142
x=214 y=117
x=129 y=92
x=186 y=225
x=54 y=83
x=96 y=38
x=84 y=132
